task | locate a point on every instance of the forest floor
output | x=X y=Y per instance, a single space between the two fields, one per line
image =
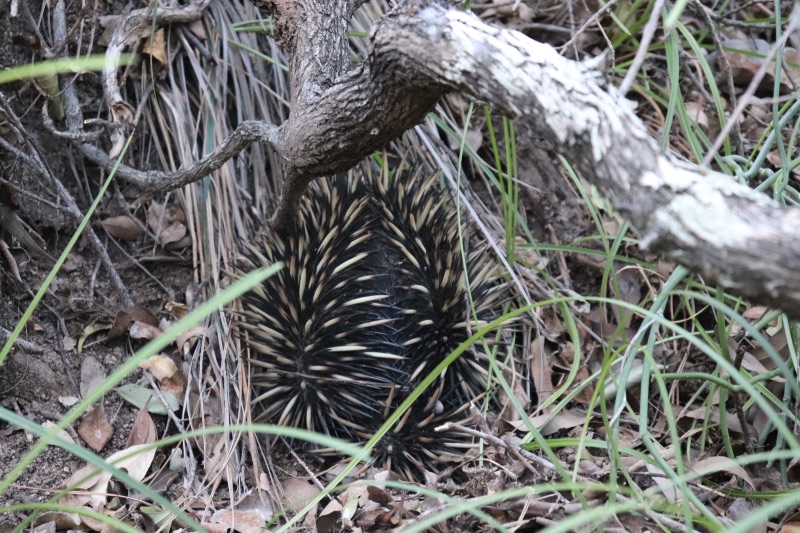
x=196 y=83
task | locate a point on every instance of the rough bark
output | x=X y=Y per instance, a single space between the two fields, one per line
x=424 y=49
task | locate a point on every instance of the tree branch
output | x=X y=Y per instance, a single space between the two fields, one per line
x=155 y=181
x=422 y=50
x=702 y=219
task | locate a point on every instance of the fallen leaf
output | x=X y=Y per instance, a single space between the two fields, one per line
x=247 y=521
x=541 y=371
x=550 y=423
x=62 y=521
x=94 y=428
x=299 y=492
x=711 y=465
x=136 y=460
x=143 y=430
x=161 y=366
x=123 y=227
x=140 y=330
x=173 y=232
x=177 y=310
x=68 y=401
x=155 y=47
x=48 y=425
x=74 y=262
x=92 y=375
x=125 y=317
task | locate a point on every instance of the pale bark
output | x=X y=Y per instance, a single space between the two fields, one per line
x=424 y=49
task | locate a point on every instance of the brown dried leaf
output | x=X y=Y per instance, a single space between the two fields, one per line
x=155 y=216
x=755 y=312
x=379 y=496
x=48 y=425
x=711 y=465
x=126 y=317
x=712 y=414
x=586 y=394
x=299 y=492
x=243 y=521
x=155 y=47
x=140 y=330
x=143 y=430
x=177 y=309
x=173 y=232
x=549 y=423
x=161 y=366
x=94 y=428
x=92 y=375
x=329 y=517
x=61 y=521
x=746 y=57
x=542 y=371
x=73 y=262
x=123 y=227
x=175 y=385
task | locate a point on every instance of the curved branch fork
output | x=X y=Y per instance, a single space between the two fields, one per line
x=422 y=50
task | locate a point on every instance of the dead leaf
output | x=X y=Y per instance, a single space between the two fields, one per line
x=299 y=492
x=136 y=460
x=749 y=362
x=172 y=233
x=176 y=309
x=712 y=414
x=218 y=461
x=711 y=465
x=244 y=521
x=161 y=366
x=68 y=401
x=542 y=371
x=329 y=517
x=143 y=430
x=198 y=30
x=550 y=423
x=125 y=317
x=48 y=425
x=92 y=375
x=697 y=112
x=10 y=260
x=156 y=216
x=123 y=227
x=755 y=312
x=155 y=47
x=61 y=521
x=746 y=57
x=140 y=330
x=94 y=428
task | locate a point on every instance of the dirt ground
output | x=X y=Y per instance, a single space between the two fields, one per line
x=43 y=371
x=47 y=369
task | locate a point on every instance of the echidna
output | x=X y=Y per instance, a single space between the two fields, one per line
x=373 y=296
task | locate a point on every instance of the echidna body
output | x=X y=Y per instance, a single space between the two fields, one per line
x=373 y=297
